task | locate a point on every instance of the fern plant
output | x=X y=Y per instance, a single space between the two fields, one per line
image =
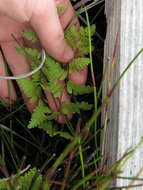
x=30 y=180
x=53 y=75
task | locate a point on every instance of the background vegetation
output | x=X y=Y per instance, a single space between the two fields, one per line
x=70 y=156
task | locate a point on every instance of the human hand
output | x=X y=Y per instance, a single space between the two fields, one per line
x=43 y=18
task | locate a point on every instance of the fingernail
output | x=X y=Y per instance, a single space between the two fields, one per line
x=68 y=55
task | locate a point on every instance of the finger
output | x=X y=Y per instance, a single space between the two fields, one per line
x=7 y=92
x=46 y=23
x=79 y=76
x=68 y=14
x=18 y=65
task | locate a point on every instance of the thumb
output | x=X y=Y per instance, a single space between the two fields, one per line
x=46 y=23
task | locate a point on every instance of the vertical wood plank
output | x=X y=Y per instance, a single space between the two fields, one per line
x=125 y=111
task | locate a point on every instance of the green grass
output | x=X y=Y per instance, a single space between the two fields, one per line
x=61 y=163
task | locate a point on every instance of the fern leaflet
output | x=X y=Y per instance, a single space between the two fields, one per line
x=23 y=182
x=67 y=108
x=54 y=70
x=55 y=87
x=30 y=88
x=41 y=114
x=26 y=180
x=52 y=130
x=74 y=88
x=30 y=35
x=78 y=64
x=80 y=38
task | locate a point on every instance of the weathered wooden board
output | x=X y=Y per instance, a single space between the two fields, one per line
x=125 y=112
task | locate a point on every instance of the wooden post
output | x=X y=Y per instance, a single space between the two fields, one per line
x=125 y=111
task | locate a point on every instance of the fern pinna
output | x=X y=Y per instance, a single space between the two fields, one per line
x=53 y=77
x=30 y=180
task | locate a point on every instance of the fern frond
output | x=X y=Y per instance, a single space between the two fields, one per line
x=49 y=127
x=30 y=88
x=72 y=36
x=78 y=40
x=41 y=114
x=54 y=70
x=74 y=88
x=30 y=35
x=23 y=182
x=52 y=130
x=26 y=180
x=67 y=108
x=3 y=185
x=55 y=87
x=33 y=53
x=21 y=51
x=78 y=64
x=53 y=73
x=83 y=43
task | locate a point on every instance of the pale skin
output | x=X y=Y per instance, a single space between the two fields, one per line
x=42 y=17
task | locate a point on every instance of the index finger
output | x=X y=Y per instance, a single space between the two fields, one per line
x=46 y=23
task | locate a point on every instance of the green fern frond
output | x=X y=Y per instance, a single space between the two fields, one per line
x=72 y=36
x=30 y=88
x=49 y=127
x=41 y=114
x=67 y=108
x=52 y=130
x=22 y=182
x=78 y=40
x=26 y=180
x=30 y=35
x=54 y=70
x=33 y=53
x=3 y=185
x=78 y=64
x=85 y=31
x=55 y=87
x=74 y=88
x=29 y=52
x=37 y=78
x=21 y=51
x=83 y=43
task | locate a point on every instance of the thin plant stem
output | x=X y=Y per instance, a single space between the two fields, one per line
x=92 y=75
x=83 y=180
x=82 y=162
x=62 y=156
x=7 y=116
x=66 y=173
x=67 y=150
x=107 y=98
